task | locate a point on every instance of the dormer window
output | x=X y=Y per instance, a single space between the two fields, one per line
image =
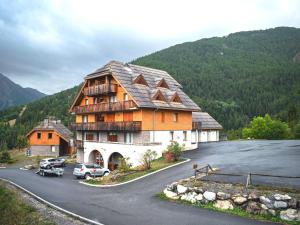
x=140 y=80
x=176 y=98
x=162 y=83
x=159 y=96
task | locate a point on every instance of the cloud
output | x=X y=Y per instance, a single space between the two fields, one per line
x=52 y=45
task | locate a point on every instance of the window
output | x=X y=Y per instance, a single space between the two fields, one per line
x=89 y=137
x=171 y=135
x=85 y=119
x=49 y=135
x=112 y=98
x=184 y=136
x=39 y=135
x=128 y=138
x=112 y=137
x=99 y=117
x=95 y=100
x=125 y=97
x=86 y=101
x=163 y=114
x=175 y=117
x=52 y=149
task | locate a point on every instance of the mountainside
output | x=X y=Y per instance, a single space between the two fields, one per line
x=233 y=78
x=13 y=94
x=237 y=76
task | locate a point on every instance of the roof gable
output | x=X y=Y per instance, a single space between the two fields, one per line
x=159 y=96
x=162 y=83
x=140 y=80
x=175 y=98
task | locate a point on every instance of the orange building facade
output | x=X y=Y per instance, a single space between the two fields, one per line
x=122 y=110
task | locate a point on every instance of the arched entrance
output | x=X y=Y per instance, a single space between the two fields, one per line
x=114 y=160
x=96 y=157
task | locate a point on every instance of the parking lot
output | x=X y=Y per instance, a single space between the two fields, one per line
x=135 y=203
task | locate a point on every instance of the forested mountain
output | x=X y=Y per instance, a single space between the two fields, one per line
x=233 y=78
x=25 y=118
x=238 y=76
x=13 y=94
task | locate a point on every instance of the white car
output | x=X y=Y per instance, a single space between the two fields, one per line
x=84 y=170
x=52 y=162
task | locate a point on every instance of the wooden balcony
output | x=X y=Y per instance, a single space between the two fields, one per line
x=100 y=89
x=108 y=126
x=105 y=107
x=196 y=125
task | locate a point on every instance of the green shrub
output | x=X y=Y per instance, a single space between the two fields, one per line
x=147 y=159
x=124 y=164
x=176 y=150
x=5 y=157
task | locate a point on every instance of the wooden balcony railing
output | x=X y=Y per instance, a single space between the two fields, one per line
x=196 y=125
x=109 y=126
x=105 y=107
x=100 y=89
x=79 y=143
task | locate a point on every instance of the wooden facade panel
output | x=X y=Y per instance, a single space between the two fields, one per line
x=44 y=140
x=165 y=120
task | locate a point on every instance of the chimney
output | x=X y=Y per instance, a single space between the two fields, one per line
x=46 y=122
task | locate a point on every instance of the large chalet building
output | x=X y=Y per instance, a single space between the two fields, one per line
x=122 y=110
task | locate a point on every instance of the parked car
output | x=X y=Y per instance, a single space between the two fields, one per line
x=52 y=162
x=84 y=170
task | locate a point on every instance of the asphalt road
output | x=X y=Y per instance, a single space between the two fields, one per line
x=135 y=203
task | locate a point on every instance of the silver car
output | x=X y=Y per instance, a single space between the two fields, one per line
x=93 y=170
x=47 y=163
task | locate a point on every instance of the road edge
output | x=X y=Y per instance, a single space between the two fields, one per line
x=138 y=178
x=81 y=218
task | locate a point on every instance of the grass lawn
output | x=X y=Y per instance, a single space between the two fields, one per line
x=19 y=158
x=133 y=173
x=236 y=211
x=15 y=211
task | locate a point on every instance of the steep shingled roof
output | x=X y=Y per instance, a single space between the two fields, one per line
x=207 y=121
x=126 y=73
x=55 y=125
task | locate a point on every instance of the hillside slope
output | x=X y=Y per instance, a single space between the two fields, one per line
x=12 y=94
x=237 y=76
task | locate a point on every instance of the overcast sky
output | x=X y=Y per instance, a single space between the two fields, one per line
x=52 y=45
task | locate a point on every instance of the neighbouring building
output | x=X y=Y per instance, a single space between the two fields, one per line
x=50 y=138
x=207 y=129
x=122 y=110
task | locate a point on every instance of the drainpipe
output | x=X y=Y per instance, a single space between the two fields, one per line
x=153 y=123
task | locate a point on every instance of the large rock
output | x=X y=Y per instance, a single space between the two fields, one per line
x=199 y=197
x=198 y=190
x=280 y=205
x=189 y=197
x=29 y=167
x=280 y=197
x=239 y=200
x=253 y=196
x=223 y=204
x=210 y=196
x=289 y=215
x=171 y=194
x=266 y=201
x=272 y=212
x=223 y=196
x=293 y=203
x=253 y=207
x=172 y=187
x=181 y=189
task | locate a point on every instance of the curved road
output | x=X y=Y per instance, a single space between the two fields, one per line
x=135 y=203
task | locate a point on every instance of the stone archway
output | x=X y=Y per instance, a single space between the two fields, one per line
x=96 y=157
x=114 y=160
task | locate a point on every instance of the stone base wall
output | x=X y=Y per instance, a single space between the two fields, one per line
x=44 y=150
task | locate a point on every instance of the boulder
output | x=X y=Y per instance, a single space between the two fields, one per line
x=198 y=190
x=189 y=197
x=280 y=205
x=199 y=197
x=253 y=207
x=171 y=194
x=266 y=201
x=253 y=196
x=263 y=206
x=89 y=178
x=181 y=189
x=239 y=200
x=293 y=203
x=172 y=187
x=223 y=196
x=289 y=214
x=280 y=197
x=272 y=212
x=210 y=196
x=29 y=167
x=223 y=204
